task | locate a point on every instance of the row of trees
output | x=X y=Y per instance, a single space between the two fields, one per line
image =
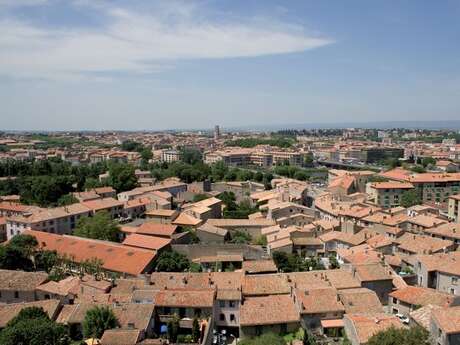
x=49 y=182
x=279 y=141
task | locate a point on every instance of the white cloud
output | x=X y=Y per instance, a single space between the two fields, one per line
x=134 y=42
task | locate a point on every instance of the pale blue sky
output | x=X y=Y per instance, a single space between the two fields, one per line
x=101 y=64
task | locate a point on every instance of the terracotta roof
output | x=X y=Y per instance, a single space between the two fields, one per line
x=366 y=325
x=360 y=300
x=266 y=284
x=421 y=244
x=262 y=222
x=268 y=310
x=372 y=272
x=422 y=316
x=101 y=204
x=20 y=280
x=397 y=174
x=450 y=230
x=147 y=242
x=391 y=185
x=115 y=257
x=187 y=220
x=185 y=298
x=121 y=337
x=62 y=287
x=9 y=311
x=448 y=319
x=161 y=213
x=416 y=295
x=259 y=266
x=318 y=301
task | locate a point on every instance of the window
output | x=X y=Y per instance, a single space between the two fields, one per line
x=222 y=317
x=222 y=304
x=454 y=280
x=16 y=294
x=232 y=304
x=232 y=317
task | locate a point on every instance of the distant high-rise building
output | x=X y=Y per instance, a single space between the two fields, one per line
x=216 y=132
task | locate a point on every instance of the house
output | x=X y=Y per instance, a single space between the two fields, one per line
x=20 y=286
x=204 y=209
x=318 y=304
x=410 y=244
x=115 y=257
x=112 y=206
x=253 y=227
x=259 y=267
x=375 y=277
x=59 y=220
x=185 y=303
x=445 y=326
x=449 y=231
x=270 y=313
x=227 y=309
x=359 y=328
x=64 y=290
x=360 y=300
x=454 y=207
x=212 y=234
x=404 y=301
x=387 y=194
x=161 y=216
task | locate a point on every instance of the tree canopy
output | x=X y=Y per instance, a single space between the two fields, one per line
x=32 y=326
x=402 y=336
x=264 y=339
x=172 y=261
x=100 y=227
x=410 y=198
x=97 y=320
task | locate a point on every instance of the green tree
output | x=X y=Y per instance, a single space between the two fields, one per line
x=100 y=227
x=196 y=333
x=32 y=326
x=241 y=237
x=410 y=198
x=122 y=177
x=67 y=199
x=199 y=197
x=428 y=161
x=97 y=320
x=191 y=156
x=402 y=336
x=173 y=328
x=264 y=339
x=172 y=261
x=17 y=254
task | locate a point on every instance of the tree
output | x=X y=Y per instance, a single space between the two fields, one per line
x=32 y=326
x=172 y=261
x=100 y=227
x=426 y=161
x=18 y=252
x=199 y=197
x=191 y=156
x=173 y=328
x=97 y=320
x=241 y=237
x=67 y=199
x=333 y=263
x=410 y=198
x=122 y=177
x=264 y=339
x=196 y=333
x=28 y=313
x=402 y=336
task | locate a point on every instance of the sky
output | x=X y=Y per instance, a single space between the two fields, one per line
x=172 y=64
